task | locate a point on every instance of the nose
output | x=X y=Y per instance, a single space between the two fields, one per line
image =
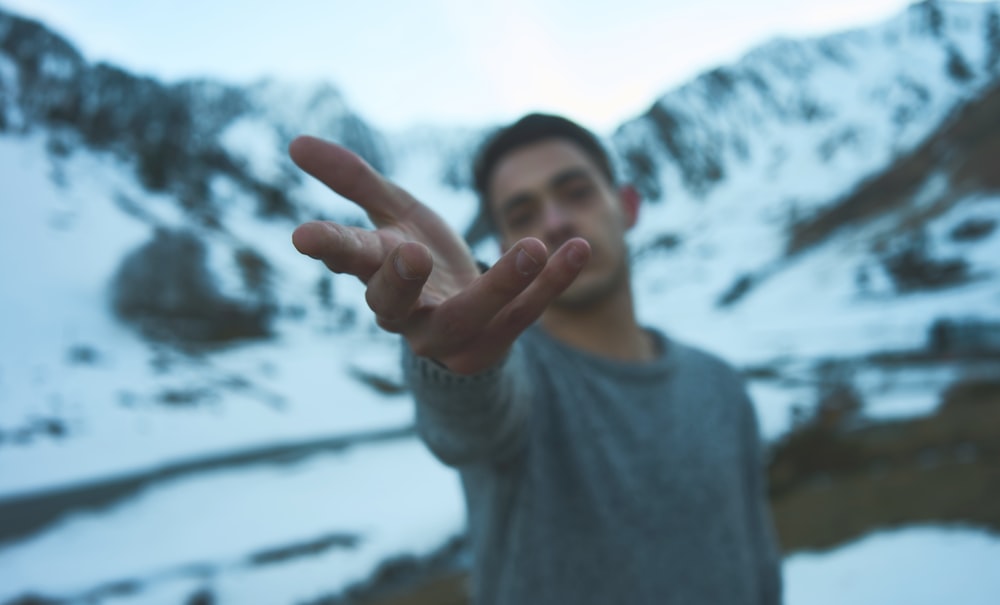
x=556 y=224
x=554 y=216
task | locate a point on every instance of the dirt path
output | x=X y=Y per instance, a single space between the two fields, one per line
x=24 y=515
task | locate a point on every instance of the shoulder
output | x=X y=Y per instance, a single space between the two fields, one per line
x=716 y=379
x=688 y=357
x=694 y=365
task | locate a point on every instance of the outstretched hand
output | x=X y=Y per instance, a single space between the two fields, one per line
x=422 y=281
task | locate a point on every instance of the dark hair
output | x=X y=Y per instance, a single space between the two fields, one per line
x=530 y=129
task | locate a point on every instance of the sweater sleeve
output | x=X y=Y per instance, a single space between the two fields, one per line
x=759 y=512
x=474 y=419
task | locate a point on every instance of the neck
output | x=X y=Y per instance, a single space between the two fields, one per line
x=608 y=328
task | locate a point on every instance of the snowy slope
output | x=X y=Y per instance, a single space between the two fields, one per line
x=743 y=152
x=914 y=565
x=740 y=155
x=220 y=527
x=60 y=250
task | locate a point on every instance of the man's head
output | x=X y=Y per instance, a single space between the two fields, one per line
x=530 y=129
x=549 y=178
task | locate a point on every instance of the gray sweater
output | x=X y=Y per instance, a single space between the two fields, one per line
x=594 y=481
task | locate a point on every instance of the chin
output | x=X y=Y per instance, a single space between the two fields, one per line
x=590 y=291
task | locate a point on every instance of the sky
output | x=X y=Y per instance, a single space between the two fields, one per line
x=402 y=63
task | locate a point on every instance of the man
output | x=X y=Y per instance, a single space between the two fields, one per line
x=601 y=462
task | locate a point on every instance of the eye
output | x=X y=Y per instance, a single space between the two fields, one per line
x=520 y=217
x=578 y=192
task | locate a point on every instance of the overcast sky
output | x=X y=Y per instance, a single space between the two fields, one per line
x=404 y=62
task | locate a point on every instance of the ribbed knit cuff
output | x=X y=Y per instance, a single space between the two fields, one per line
x=426 y=369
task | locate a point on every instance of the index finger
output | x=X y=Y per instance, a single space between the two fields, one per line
x=349 y=175
x=351 y=250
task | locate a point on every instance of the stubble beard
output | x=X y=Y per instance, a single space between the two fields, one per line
x=586 y=295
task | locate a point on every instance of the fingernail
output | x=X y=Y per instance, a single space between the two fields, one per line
x=526 y=264
x=404 y=270
x=576 y=256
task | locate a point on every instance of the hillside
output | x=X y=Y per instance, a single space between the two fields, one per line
x=822 y=212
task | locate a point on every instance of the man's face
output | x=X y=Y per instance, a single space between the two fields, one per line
x=554 y=191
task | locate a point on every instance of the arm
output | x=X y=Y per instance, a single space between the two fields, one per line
x=471 y=419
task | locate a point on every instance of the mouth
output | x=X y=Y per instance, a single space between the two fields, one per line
x=554 y=245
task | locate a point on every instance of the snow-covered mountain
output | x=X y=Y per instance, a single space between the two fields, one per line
x=164 y=347
x=744 y=157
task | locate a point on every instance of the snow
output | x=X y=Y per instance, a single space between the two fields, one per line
x=983 y=254
x=299 y=385
x=394 y=497
x=57 y=67
x=10 y=113
x=904 y=393
x=914 y=565
x=776 y=405
x=885 y=88
x=840 y=319
x=256 y=143
x=63 y=232
x=309 y=397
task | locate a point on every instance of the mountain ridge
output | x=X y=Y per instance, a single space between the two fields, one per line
x=741 y=157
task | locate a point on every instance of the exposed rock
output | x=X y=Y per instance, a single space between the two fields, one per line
x=165 y=289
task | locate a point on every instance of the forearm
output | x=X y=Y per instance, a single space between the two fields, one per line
x=464 y=420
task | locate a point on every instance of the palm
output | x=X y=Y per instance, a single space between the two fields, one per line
x=422 y=281
x=454 y=267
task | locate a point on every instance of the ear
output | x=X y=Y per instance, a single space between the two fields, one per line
x=630 y=200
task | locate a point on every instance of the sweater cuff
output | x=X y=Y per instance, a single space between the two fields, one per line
x=428 y=371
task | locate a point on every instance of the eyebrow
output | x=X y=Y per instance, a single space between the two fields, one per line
x=568 y=175
x=559 y=180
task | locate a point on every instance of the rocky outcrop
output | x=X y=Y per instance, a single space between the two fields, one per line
x=166 y=290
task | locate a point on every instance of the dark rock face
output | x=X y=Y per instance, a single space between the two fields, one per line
x=695 y=137
x=173 y=136
x=171 y=132
x=964 y=148
x=165 y=290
